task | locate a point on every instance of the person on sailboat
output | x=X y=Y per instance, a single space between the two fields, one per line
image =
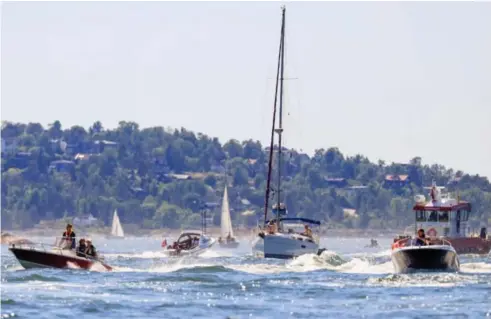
x=272 y=227
x=69 y=236
x=308 y=231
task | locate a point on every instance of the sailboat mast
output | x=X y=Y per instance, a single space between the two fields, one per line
x=280 y=128
x=270 y=161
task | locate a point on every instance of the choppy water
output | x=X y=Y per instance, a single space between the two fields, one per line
x=349 y=281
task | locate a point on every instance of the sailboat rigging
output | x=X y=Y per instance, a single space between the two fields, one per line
x=275 y=242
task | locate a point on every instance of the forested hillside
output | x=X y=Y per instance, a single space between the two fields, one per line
x=158 y=177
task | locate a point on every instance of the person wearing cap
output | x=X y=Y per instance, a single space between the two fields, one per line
x=90 y=251
x=69 y=235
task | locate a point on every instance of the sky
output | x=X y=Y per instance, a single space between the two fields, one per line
x=388 y=80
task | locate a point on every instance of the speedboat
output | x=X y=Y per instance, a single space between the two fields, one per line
x=189 y=243
x=56 y=256
x=286 y=244
x=447 y=217
x=408 y=256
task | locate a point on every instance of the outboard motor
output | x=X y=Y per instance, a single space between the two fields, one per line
x=483 y=233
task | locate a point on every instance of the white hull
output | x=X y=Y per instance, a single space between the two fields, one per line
x=433 y=257
x=284 y=246
x=204 y=244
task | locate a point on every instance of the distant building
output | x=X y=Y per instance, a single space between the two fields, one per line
x=179 y=176
x=62 y=166
x=395 y=181
x=80 y=157
x=336 y=182
x=9 y=145
x=101 y=145
x=85 y=220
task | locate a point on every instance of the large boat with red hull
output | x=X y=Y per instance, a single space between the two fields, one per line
x=447 y=218
x=57 y=256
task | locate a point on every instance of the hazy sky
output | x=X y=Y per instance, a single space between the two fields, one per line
x=387 y=80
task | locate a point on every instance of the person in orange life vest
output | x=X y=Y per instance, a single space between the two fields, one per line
x=69 y=235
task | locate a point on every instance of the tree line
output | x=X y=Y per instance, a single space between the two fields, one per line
x=157 y=177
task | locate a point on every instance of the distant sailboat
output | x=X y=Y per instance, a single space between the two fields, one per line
x=227 y=239
x=117 y=229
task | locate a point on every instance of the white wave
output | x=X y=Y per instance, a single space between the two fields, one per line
x=479 y=267
x=71 y=265
x=143 y=255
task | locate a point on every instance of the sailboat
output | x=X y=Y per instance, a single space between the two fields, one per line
x=227 y=239
x=279 y=238
x=116 y=229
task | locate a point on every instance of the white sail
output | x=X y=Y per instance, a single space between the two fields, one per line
x=117 y=229
x=226 y=222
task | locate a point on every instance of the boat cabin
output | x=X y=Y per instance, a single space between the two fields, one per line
x=188 y=240
x=442 y=215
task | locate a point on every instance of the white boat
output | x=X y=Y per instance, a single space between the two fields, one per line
x=279 y=241
x=190 y=242
x=410 y=255
x=286 y=243
x=116 y=229
x=226 y=239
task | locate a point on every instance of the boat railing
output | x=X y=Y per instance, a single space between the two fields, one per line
x=62 y=245
x=412 y=241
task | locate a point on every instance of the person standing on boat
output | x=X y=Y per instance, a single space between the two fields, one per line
x=69 y=235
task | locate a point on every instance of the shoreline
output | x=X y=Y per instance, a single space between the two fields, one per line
x=168 y=232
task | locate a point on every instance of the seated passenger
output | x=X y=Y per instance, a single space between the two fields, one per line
x=90 y=251
x=421 y=240
x=81 y=248
x=307 y=232
x=272 y=227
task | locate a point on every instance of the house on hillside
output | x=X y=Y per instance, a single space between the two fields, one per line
x=9 y=145
x=101 y=145
x=356 y=189
x=62 y=166
x=21 y=160
x=396 y=181
x=58 y=145
x=85 y=220
x=337 y=182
